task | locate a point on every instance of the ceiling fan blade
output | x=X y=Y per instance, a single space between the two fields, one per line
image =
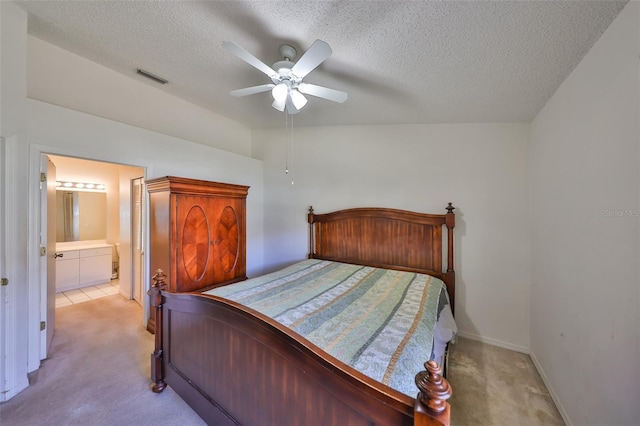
x=323 y=92
x=249 y=58
x=252 y=90
x=317 y=53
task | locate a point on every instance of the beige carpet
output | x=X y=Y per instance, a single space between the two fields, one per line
x=98 y=374
x=495 y=386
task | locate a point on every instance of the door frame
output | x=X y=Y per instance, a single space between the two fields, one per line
x=36 y=282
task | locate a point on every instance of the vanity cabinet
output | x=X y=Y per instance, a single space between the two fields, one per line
x=95 y=266
x=67 y=270
x=197 y=233
x=82 y=267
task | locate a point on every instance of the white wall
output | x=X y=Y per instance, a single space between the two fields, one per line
x=62 y=78
x=481 y=168
x=584 y=162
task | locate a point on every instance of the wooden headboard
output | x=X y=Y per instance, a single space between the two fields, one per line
x=386 y=238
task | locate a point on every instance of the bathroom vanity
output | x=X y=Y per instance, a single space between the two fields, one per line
x=82 y=263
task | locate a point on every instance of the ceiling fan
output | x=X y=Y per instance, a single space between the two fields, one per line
x=287 y=87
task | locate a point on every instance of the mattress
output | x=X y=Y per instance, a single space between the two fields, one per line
x=384 y=323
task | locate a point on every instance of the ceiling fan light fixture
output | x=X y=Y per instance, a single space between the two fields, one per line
x=298 y=99
x=280 y=93
x=279 y=105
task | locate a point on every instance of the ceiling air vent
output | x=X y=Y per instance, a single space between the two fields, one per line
x=152 y=76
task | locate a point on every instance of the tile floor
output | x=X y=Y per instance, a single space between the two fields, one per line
x=85 y=294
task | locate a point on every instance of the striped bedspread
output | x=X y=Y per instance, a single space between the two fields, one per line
x=378 y=321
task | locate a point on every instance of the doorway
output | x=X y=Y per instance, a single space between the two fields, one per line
x=116 y=231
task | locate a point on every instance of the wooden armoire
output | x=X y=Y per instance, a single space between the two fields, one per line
x=197 y=233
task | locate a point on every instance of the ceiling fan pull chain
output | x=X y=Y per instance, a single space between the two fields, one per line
x=286 y=142
x=292 y=149
x=288 y=136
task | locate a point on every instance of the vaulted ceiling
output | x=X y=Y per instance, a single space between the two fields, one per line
x=400 y=61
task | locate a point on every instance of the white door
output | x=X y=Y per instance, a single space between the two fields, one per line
x=137 y=238
x=48 y=251
x=4 y=377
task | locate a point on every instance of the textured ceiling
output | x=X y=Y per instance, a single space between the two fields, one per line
x=400 y=61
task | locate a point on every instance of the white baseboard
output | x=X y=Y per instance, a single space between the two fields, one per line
x=494 y=342
x=552 y=392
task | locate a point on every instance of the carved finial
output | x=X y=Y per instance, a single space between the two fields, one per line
x=450 y=208
x=159 y=279
x=310 y=209
x=434 y=389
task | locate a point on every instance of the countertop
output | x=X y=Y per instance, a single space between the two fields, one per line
x=81 y=245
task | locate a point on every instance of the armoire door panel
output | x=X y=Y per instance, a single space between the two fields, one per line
x=194 y=251
x=228 y=240
x=195 y=243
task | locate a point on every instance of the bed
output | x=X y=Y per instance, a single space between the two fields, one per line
x=235 y=364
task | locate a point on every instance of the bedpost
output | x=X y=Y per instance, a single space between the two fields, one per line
x=310 y=220
x=157 y=369
x=431 y=407
x=450 y=222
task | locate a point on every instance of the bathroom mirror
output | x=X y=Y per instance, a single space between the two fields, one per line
x=81 y=215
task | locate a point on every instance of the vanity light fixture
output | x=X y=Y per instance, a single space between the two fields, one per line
x=80 y=186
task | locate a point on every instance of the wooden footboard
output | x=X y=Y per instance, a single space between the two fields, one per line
x=233 y=365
